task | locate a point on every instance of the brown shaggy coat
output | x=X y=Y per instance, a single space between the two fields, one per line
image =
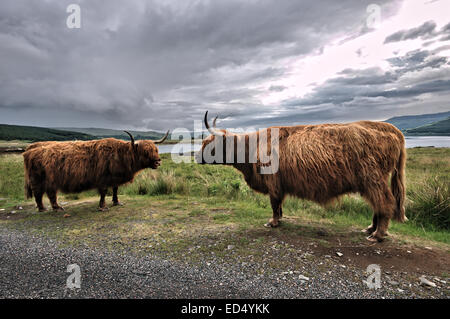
x=72 y=167
x=323 y=162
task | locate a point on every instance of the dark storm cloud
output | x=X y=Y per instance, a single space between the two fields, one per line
x=154 y=64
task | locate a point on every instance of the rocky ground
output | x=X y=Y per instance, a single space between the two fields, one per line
x=33 y=266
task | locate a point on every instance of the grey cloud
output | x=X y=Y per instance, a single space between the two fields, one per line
x=446 y=28
x=417 y=60
x=277 y=88
x=426 y=29
x=443 y=33
x=370 y=76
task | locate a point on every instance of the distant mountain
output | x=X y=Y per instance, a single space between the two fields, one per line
x=35 y=134
x=104 y=132
x=436 y=128
x=405 y=123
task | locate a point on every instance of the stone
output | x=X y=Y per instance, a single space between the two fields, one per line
x=301 y=277
x=426 y=282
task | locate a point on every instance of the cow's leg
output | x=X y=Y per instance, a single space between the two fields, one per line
x=115 y=198
x=102 y=205
x=52 y=196
x=277 y=212
x=38 y=194
x=383 y=203
x=369 y=230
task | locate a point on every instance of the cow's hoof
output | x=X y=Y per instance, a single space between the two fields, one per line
x=103 y=209
x=369 y=230
x=374 y=239
x=118 y=204
x=270 y=225
x=58 y=209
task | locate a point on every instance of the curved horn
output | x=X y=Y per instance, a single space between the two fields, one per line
x=214 y=122
x=131 y=137
x=163 y=139
x=212 y=130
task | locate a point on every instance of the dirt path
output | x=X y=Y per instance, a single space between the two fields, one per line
x=389 y=255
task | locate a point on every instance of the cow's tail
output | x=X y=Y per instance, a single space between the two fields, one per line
x=398 y=186
x=28 y=190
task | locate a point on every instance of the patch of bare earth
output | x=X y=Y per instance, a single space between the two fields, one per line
x=388 y=254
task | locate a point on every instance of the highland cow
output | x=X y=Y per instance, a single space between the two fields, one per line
x=73 y=167
x=322 y=162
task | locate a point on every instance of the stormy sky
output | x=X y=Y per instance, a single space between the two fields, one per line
x=143 y=64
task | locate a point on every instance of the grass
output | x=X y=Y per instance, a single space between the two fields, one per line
x=181 y=202
x=11 y=178
x=14 y=143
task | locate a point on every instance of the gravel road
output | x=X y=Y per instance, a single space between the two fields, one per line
x=35 y=267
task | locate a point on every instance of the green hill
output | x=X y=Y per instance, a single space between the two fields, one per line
x=436 y=128
x=104 y=132
x=35 y=134
x=405 y=123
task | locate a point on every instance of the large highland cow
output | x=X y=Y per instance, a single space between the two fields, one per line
x=73 y=167
x=323 y=162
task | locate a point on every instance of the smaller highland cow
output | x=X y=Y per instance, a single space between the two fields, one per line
x=73 y=167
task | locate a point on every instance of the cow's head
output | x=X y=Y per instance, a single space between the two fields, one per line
x=216 y=142
x=146 y=152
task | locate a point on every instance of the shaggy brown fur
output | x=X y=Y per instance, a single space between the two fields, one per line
x=322 y=162
x=72 y=167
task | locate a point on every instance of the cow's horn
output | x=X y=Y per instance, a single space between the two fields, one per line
x=210 y=129
x=131 y=137
x=163 y=139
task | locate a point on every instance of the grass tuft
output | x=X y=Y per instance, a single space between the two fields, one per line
x=429 y=203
